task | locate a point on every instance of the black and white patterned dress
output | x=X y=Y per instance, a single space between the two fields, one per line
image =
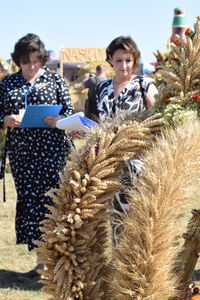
x=131 y=101
x=36 y=155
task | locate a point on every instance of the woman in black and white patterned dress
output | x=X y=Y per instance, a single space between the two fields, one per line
x=36 y=155
x=125 y=94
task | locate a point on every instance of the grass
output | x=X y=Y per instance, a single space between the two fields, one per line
x=15 y=258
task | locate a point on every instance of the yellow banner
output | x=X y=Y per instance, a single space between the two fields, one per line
x=82 y=54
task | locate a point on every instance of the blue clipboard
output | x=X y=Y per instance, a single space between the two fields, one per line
x=35 y=114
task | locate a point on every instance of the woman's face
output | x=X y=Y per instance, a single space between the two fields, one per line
x=32 y=67
x=122 y=62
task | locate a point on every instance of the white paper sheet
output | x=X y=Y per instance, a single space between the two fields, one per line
x=76 y=122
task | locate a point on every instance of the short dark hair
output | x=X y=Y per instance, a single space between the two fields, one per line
x=124 y=43
x=27 y=45
x=101 y=68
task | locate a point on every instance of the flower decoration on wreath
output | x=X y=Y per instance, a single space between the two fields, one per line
x=179 y=81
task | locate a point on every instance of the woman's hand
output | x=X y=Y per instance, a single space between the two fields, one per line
x=12 y=121
x=52 y=120
x=76 y=134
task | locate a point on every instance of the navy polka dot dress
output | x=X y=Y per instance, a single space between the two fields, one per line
x=36 y=155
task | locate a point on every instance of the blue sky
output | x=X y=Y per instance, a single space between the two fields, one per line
x=94 y=23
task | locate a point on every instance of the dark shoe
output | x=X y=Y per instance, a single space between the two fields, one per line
x=31 y=275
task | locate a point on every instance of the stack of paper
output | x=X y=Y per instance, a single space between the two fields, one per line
x=76 y=122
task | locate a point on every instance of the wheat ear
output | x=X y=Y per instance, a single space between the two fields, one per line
x=147 y=255
x=76 y=237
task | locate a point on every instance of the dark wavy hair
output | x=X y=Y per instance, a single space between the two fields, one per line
x=124 y=43
x=27 y=45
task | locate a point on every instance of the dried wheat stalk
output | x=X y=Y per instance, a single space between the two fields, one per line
x=146 y=257
x=191 y=248
x=77 y=232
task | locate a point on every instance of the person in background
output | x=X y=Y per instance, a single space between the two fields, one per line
x=129 y=95
x=91 y=83
x=36 y=155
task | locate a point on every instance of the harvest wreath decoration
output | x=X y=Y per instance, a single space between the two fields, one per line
x=77 y=243
x=179 y=81
x=150 y=261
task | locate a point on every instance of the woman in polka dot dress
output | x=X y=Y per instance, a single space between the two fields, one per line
x=36 y=155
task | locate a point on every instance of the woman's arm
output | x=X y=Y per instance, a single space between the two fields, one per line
x=12 y=120
x=101 y=100
x=2 y=111
x=63 y=97
x=150 y=99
